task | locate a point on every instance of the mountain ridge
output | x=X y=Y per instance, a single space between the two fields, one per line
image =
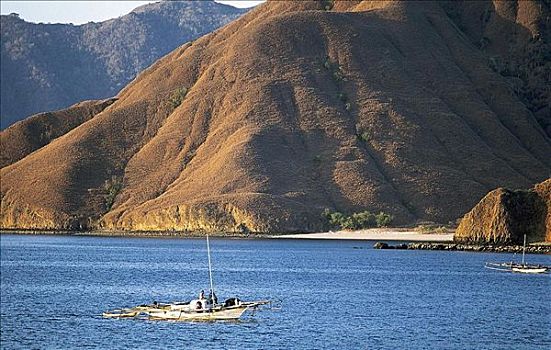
x=287 y=111
x=51 y=66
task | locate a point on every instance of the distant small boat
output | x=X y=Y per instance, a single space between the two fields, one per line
x=516 y=267
x=200 y=309
x=523 y=267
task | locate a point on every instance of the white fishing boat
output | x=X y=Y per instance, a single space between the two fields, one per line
x=522 y=267
x=200 y=309
x=516 y=267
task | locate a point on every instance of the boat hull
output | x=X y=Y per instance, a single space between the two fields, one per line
x=232 y=313
x=529 y=270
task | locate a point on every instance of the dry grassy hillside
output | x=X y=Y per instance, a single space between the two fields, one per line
x=380 y=106
x=516 y=38
x=37 y=131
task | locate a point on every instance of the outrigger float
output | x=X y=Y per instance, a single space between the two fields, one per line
x=522 y=267
x=200 y=309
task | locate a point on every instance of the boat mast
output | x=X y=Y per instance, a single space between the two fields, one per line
x=210 y=269
x=523 y=249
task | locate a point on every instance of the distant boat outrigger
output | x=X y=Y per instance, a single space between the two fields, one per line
x=200 y=309
x=523 y=267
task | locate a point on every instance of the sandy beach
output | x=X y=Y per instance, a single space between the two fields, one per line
x=375 y=234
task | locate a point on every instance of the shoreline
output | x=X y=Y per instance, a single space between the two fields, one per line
x=130 y=234
x=404 y=238
x=462 y=247
x=373 y=234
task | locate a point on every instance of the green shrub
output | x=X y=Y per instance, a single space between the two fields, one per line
x=327 y=5
x=338 y=78
x=334 y=69
x=364 y=137
x=356 y=221
x=364 y=219
x=349 y=223
x=431 y=228
x=342 y=96
x=177 y=97
x=112 y=187
x=337 y=75
x=423 y=228
x=383 y=219
x=336 y=219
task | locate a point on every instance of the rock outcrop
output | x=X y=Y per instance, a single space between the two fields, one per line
x=544 y=192
x=498 y=248
x=504 y=216
x=293 y=108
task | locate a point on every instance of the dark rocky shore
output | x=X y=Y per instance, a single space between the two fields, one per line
x=141 y=234
x=532 y=249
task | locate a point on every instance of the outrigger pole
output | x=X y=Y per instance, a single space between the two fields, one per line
x=210 y=269
x=523 y=249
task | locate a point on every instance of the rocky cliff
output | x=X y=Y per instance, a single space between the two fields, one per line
x=51 y=66
x=293 y=108
x=504 y=216
x=544 y=192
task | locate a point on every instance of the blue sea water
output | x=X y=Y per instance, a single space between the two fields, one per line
x=334 y=295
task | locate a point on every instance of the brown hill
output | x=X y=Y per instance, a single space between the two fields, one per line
x=504 y=216
x=37 y=131
x=380 y=106
x=516 y=38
